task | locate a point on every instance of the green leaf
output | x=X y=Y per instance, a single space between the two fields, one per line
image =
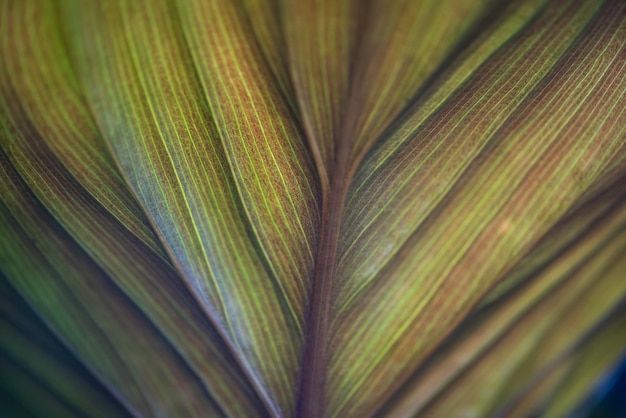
x=310 y=208
x=402 y=44
x=494 y=335
x=38 y=360
x=141 y=271
x=592 y=360
x=429 y=242
x=321 y=39
x=199 y=194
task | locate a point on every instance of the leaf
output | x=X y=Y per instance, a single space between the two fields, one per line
x=553 y=318
x=401 y=46
x=495 y=333
x=263 y=16
x=38 y=359
x=592 y=360
x=321 y=40
x=199 y=194
x=140 y=271
x=312 y=208
x=96 y=318
x=463 y=242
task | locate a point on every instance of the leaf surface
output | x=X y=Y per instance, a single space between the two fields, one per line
x=401 y=46
x=593 y=362
x=217 y=165
x=96 y=319
x=321 y=40
x=528 y=350
x=503 y=327
x=28 y=349
x=139 y=267
x=430 y=237
x=311 y=208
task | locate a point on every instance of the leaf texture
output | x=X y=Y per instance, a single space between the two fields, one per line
x=266 y=19
x=402 y=45
x=207 y=188
x=517 y=357
x=492 y=330
x=142 y=272
x=321 y=39
x=592 y=361
x=310 y=208
x=94 y=316
x=424 y=298
x=39 y=360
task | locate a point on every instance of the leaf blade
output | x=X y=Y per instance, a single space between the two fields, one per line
x=489 y=326
x=136 y=264
x=188 y=174
x=420 y=297
x=96 y=319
